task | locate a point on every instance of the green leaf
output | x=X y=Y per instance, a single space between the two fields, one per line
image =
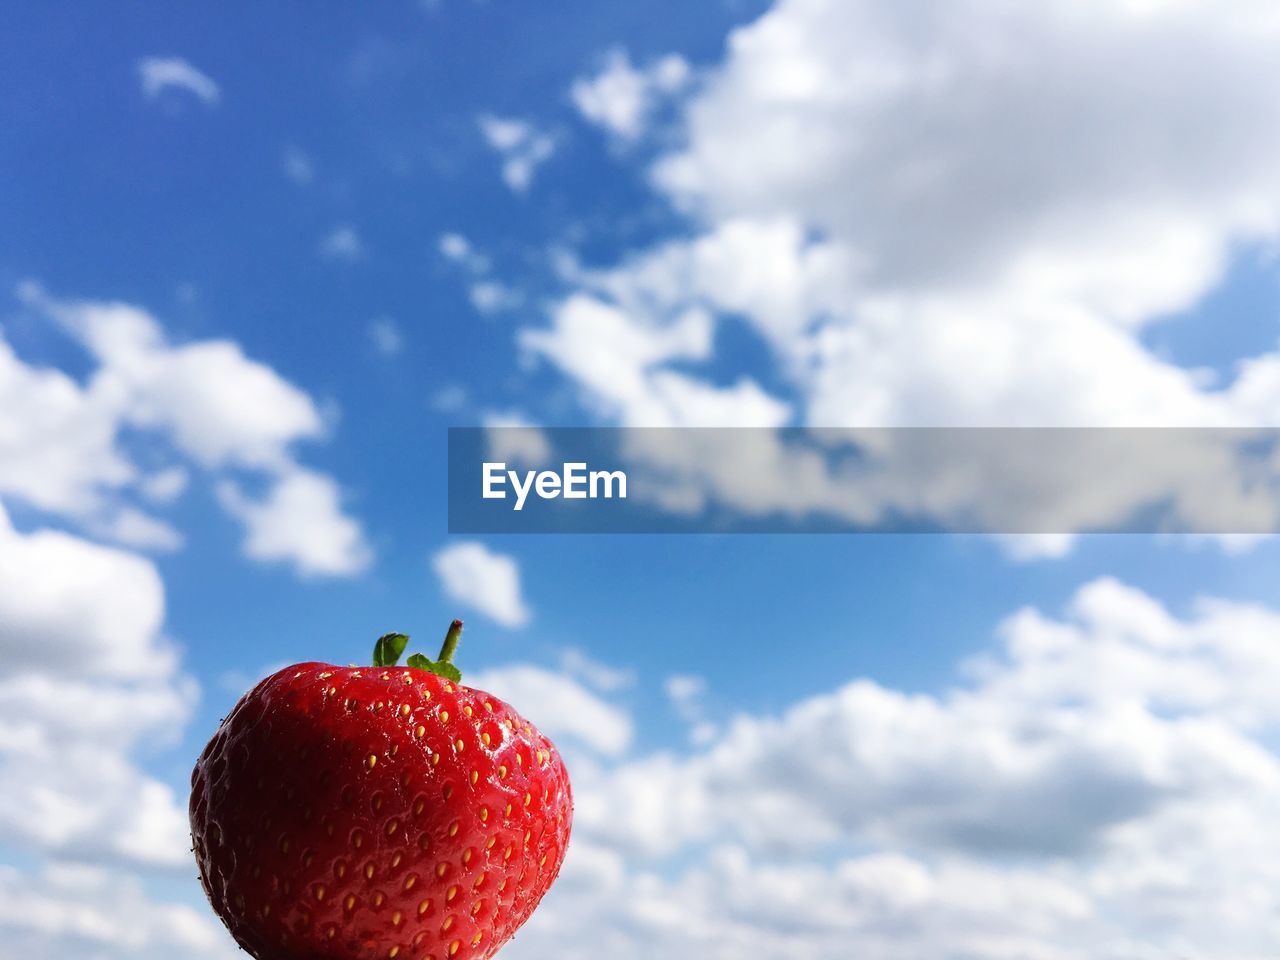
x=439 y=667
x=387 y=651
x=447 y=670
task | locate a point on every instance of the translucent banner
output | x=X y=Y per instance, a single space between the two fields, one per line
x=798 y=480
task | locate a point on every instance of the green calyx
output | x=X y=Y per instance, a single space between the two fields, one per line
x=389 y=648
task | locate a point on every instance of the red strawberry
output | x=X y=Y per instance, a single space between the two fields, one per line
x=376 y=813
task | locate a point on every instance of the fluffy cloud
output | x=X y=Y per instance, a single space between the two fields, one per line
x=89 y=680
x=61 y=448
x=619 y=362
x=133 y=528
x=959 y=215
x=57 y=440
x=77 y=910
x=106 y=626
x=621 y=98
x=166 y=486
x=521 y=146
x=926 y=154
x=158 y=74
x=1099 y=785
x=478 y=577
x=943 y=215
x=87 y=677
x=74 y=791
x=1122 y=701
x=300 y=521
x=458 y=249
x=218 y=406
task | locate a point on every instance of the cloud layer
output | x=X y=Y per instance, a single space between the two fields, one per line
x=63 y=447
x=482 y=579
x=943 y=214
x=622 y=98
x=158 y=74
x=1100 y=785
x=89 y=682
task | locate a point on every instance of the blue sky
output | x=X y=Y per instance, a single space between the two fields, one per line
x=390 y=219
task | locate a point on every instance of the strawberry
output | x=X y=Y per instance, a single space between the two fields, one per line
x=348 y=813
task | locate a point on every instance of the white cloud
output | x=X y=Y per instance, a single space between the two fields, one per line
x=1101 y=785
x=618 y=361
x=88 y=681
x=133 y=528
x=59 y=440
x=342 y=243
x=457 y=248
x=732 y=906
x=77 y=794
x=684 y=689
x=385 y=335
x=685 y=692
x=621 y=98
x=559 y=706
x=219 y=407
x=769 y=271
x=88 y=678
x=491 y=296
x=68 y=603
x=77 y=910
x=475 y=576
x=1035 y=188
x=522 y=147
x=945 y=248
x=1038 y=546
x=165 y=486
x=300 y=521
x=158 y=74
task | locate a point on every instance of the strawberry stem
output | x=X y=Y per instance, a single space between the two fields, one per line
x=451 y=639
x=442 y=667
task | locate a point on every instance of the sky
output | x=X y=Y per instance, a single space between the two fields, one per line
x=256 y=260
